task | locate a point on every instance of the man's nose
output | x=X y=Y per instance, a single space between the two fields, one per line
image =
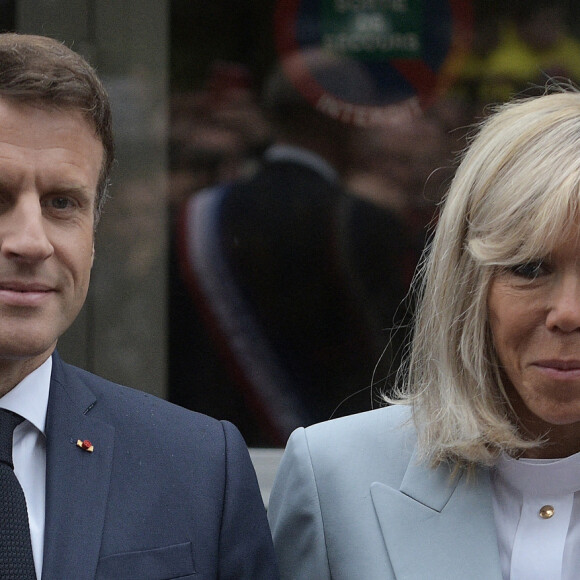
x=23 y=234
x=564 y=311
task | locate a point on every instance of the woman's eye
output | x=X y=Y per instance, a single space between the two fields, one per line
x=529 y=270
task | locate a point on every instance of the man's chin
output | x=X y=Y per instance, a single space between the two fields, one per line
x=26 y=351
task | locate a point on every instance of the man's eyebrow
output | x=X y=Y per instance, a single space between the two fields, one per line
x=66 y=189
x=7 y=181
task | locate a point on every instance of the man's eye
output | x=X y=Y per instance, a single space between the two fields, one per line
x=529 y=270
x=60 y=203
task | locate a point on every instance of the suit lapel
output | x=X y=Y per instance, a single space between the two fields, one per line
x=77 y=481
x=439 y=528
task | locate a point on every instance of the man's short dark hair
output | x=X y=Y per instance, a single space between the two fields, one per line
x=43 y=72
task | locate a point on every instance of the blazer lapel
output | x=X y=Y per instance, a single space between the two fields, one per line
x=77 y=480
x=439 y=528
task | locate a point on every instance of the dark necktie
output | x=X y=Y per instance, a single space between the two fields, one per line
x=16 y=562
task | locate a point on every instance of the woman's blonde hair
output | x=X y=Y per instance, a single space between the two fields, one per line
x=514 y=195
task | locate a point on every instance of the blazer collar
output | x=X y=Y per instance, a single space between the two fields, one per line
x=437 y=527
x=307 y=158
x=77 y=481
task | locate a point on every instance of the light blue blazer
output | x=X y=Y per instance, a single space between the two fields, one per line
x=351 y=502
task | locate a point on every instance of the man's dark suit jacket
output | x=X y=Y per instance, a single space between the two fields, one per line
x=166 y=493
x=317 y=277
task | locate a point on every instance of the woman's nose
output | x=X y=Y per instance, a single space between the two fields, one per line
x=564 y=311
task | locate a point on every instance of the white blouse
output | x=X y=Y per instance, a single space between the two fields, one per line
x=536 y=505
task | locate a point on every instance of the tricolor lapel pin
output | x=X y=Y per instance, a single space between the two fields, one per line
x=86 y=445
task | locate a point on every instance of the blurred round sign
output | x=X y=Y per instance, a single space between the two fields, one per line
x=401 y=48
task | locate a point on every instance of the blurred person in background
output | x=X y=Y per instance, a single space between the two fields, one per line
x=217 y=132
x=535 y=43
x=290 y=284
x=405 y=167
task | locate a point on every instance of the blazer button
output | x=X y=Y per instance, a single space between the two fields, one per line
x=546 y=512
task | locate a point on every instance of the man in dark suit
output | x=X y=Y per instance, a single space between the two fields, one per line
x=117 y=483
x=295 y=281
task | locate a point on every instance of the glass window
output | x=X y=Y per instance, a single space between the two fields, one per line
x=279 y=164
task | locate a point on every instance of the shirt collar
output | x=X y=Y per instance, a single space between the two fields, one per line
x=541 y=476
x=29 y=398
x=303 y=156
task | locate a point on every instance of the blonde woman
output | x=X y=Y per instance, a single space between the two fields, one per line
x=475 y=472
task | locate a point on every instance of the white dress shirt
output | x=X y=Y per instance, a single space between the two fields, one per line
x=533 y=547
x=30 y=400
